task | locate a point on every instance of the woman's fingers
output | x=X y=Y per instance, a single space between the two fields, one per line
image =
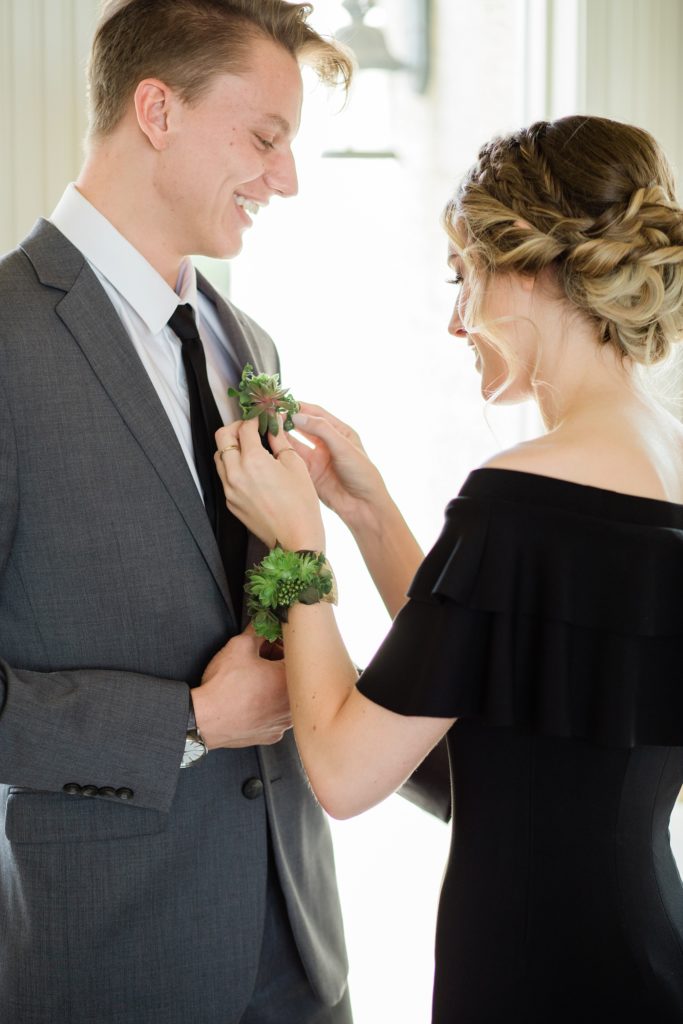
x=249 y=438
x=311 y=416
x=227 y=446
x=309 y=409
x=227 y=438
x=242 y=436
x=304 y=451
x=280 y=443
x=319 y=427
x=233 y=442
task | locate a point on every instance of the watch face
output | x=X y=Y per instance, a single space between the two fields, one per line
x=194 y=750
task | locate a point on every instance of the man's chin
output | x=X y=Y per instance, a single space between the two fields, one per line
x=232 y=250
x=222 y=250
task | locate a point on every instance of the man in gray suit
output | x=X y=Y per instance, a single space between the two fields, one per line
x=134 y=890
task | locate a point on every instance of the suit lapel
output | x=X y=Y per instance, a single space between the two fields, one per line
x=243 y=350
x=91 y=319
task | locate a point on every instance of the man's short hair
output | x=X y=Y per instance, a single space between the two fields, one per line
x=185 y=43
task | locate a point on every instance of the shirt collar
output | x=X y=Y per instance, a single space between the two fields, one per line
x=121 y=264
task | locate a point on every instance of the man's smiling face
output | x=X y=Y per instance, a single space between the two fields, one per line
x=229 y=152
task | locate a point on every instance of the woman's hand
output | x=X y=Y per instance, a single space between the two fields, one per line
x=344 y=477
x=351 y=485
x=273 y=495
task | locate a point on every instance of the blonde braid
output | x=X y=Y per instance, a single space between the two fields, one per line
x=566 y=195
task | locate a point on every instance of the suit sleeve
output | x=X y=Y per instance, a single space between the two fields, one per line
x=108 y=730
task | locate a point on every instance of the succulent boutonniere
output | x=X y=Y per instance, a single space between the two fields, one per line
x=261 y=395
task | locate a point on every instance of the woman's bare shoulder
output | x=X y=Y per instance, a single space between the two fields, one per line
x=544 y=456
x=609 y=463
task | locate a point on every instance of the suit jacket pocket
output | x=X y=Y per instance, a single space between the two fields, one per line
x=38 y=817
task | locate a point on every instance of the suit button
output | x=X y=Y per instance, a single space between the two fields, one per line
x=252 y=789
x=124 y=793
x=106 y=791
x=89 y=791
x=71 y=787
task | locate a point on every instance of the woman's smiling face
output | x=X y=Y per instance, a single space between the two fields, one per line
x=506 y=366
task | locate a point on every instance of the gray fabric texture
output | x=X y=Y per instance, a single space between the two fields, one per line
x=145 y=902
x=282 y=994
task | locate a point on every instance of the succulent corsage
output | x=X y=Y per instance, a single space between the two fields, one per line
x=280 y=579
x=262 y=395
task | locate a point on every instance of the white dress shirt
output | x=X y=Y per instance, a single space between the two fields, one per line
x=145 y=303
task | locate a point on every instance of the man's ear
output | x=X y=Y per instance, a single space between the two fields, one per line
x=153 y=100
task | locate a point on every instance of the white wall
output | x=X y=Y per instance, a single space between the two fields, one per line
x=616 y=58
x=630 y=52
x=619 y=58
x=43 y=48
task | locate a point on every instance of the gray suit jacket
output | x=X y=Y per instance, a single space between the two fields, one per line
x=130 y=891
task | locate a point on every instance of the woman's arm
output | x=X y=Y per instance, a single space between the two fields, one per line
x=355 y=752
x=389 y=550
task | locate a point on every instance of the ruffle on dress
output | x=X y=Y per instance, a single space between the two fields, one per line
x=547 y=606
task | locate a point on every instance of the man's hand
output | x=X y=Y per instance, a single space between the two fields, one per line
x=242 y=700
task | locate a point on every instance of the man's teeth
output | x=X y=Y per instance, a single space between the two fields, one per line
x=249 y=205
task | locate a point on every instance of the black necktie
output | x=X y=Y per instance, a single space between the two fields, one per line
x=205 y=420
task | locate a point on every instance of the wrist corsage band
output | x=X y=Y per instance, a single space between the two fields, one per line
x=282 y=578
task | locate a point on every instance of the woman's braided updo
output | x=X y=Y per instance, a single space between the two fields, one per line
x=592 y=199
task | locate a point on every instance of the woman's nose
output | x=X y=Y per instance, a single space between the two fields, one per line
x=455 y=326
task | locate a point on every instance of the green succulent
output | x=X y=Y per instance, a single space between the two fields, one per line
x=261 y=395
x=280 y=579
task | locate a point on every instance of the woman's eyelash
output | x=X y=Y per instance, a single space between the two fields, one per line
x=454 y=280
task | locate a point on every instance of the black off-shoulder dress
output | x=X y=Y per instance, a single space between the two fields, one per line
x=548 y=618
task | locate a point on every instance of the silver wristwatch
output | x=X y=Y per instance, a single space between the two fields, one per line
x=195 y=747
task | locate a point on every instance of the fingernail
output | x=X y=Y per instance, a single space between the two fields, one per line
x=300 y=419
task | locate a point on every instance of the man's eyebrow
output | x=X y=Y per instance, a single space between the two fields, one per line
x=279 y=122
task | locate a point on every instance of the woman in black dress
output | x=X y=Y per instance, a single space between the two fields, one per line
x=544 y=631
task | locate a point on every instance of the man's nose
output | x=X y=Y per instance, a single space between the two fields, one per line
x=281 y=176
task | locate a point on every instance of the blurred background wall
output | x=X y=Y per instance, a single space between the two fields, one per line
x=349 y=278
x=619 y=58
